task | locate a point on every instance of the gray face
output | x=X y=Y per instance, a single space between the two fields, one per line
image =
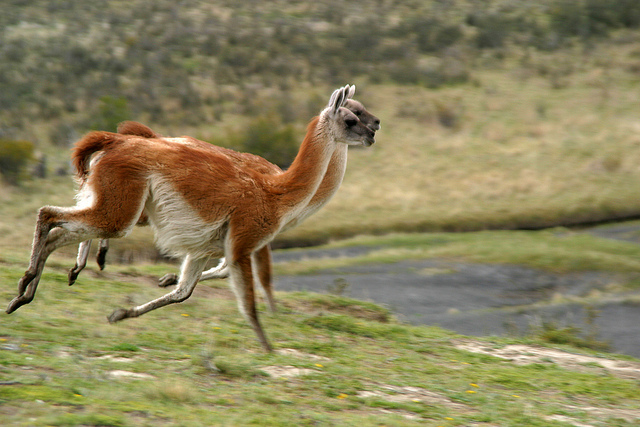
x=356 y=131
x=365 y=116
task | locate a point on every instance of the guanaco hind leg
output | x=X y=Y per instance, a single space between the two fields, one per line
x=47 y=238
x=83 y=256
x=61 y=226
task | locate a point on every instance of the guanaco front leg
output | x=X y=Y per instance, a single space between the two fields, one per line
x=262 y=262
x=242 y=283
x=221 y=271
x=189 y=275
x=102 y=253
x=81 y=261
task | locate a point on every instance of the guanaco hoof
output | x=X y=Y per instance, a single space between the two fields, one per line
x=168 y=279
x=73 y=275
x=118 y=315
x=18 y=302
x=101 y=258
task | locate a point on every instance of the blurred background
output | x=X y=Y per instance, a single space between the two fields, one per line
x=496 y=114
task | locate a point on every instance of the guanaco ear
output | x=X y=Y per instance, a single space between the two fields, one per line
x=338 y=98
x=352 y=91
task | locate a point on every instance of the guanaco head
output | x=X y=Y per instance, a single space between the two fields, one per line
x=345 y=126
x=365 y=116
x=358 y=109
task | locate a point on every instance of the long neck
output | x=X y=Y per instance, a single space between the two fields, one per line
x=299 y=183
x=327 y=188
x=332 y=178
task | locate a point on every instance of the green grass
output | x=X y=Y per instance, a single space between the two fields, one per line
x=557 y=250
x=525 y=153
x=58 y=355
x=529 y=149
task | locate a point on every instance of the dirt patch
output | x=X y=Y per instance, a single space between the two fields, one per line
x=319 y=307
x=526 y=354
x=117 y=374
x=398 y=394
x=300 y=354
x=293 y=371
x=287 y=371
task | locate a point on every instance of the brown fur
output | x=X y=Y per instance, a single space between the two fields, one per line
x=135 y=128
x=262 y=258
x=198 y=200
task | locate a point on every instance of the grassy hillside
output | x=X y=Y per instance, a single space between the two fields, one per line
x=494 y=115
x=184 y=64
x=518 y=154
x=539 y=128
x=338 y=361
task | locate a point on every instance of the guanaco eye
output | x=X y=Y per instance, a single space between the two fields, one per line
x=357 y=113
x=351 y=122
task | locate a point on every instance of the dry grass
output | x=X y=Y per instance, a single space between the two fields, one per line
x=546 y=139
x=524 y=153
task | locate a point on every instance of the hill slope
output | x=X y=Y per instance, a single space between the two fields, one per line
x=339 y=362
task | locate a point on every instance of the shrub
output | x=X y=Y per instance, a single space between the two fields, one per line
x=111 y=111
x=268 y=138
x=14 y=157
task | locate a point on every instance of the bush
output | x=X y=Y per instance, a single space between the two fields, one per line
x=111 y=111
x=267 y=137
x=14 y=157
x=593 y=17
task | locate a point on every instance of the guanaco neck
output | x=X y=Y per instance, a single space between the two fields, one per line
x=297 y=185
x=328 y=187
x=332 y=178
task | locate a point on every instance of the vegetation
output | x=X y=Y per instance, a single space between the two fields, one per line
x=495 y=114
x=340 y=361
x=184 y=64
x=14 y=158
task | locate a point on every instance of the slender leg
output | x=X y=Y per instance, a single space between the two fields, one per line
x=102 y=253
x=242 y=281
x=263 y=265
x=221 y=271
x=29 y=283
x=189 y=275
x=81 y=261
x=168 y=279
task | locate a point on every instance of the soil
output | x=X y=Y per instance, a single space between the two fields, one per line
x=486 y=299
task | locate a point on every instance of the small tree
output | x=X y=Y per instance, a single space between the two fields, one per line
x=112 y=110
x=14 y=157
x=267 y=137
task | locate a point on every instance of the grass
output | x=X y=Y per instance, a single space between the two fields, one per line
x=514 y=148
x=524 y=153
x=198 y=363
x=557 y=250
